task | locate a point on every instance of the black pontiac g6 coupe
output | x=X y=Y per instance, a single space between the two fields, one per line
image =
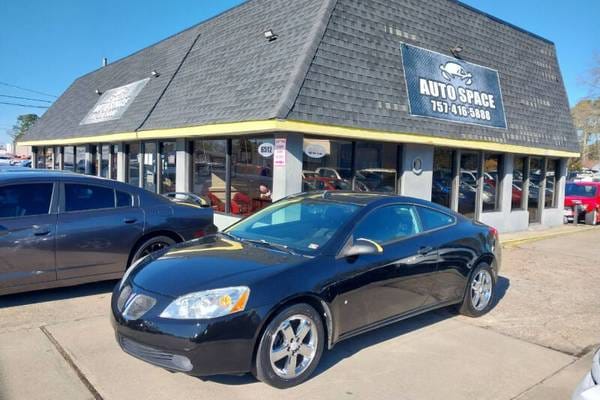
x=275 y=290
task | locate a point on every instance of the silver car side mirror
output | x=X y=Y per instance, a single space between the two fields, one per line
x=363 y=246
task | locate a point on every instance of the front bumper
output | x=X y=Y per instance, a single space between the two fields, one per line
x=197 y=347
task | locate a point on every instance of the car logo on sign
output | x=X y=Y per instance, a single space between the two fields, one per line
x=452 y=70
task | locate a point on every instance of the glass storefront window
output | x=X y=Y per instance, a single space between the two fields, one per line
x=519 y=172
x=69 y=158
x=149 y=166
x=168 y=163
x=40 y=161
x=536 y=167
x=104 y=160
x=209 y=171
x=251 y=175
x=134 y=164
x=327 y=165
x=376 y=167
x=441 y=190
x=552 y=177
x=80 y=159
x=491 y=182
x=57 y=158
x=49 y=157
x=469 y=175
x=113 y=162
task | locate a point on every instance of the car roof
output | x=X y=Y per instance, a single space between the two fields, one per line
x=365 y=198
x=21 y=174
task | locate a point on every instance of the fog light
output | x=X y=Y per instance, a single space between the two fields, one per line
x=183 y=363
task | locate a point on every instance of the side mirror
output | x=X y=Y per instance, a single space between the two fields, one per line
x=362 y=247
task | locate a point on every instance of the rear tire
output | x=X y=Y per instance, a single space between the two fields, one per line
x=480 y=293
x=151 y=245
x=295 y=338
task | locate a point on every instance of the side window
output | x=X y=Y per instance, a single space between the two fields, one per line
x=431 y=219
x=388 y=223
x=124 y=199
x=80 y=197
x=24 y=200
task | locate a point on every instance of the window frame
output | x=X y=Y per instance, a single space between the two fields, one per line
x=54 y=197
x=63 y=199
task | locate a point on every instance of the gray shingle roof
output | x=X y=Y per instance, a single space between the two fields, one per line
x=335 y=62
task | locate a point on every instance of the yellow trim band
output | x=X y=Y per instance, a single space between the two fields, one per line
x=288 y=126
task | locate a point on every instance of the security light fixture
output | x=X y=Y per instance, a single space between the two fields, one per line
x=270 y=35
x=155 y=73
x=98 y=92
x=456 y=50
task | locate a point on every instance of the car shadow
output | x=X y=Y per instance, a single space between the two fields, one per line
x=47 y=295
x=352 y=346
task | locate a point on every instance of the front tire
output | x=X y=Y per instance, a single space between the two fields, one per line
x=480 y=293
x=290 y=347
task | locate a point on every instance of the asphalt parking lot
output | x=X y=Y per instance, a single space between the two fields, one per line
x=536 y=344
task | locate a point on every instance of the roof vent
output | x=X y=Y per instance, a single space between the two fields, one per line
x=104 y=62
x=270 y=35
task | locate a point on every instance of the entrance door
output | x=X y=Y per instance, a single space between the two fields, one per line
x=536 y=171
x=150 y=166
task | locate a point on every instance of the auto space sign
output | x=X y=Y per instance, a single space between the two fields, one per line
x=447 y=88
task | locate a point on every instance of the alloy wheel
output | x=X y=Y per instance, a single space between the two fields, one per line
x=481 y=290
x=153 y=247
x=293 y=346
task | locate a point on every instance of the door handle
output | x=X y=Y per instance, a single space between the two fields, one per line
x=130 y=220
x=40 y=230
x=424 y=251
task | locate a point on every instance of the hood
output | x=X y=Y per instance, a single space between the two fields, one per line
x=209 y=263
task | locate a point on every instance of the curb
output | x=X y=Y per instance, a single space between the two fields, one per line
x=542 y=236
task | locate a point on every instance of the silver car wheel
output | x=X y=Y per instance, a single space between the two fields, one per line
x=481 y=290
x=293 y=346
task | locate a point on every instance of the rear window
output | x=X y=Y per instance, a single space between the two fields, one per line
x=88 y=197
x=124 y=199
x=431 y=219
x=24 y=200
x=581 y=190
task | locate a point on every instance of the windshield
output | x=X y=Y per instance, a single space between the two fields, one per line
x=580 y=190
x=303 y=225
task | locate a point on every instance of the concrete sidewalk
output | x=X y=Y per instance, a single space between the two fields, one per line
x=59 y=344
x=536 y=233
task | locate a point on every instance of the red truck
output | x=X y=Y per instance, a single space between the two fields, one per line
x=582 y=199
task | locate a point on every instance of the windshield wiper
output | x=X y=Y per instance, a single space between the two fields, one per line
x=276 y=246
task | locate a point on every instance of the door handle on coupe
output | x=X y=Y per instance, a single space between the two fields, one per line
x=129 y=220
x=427 y=250
x=40 y=230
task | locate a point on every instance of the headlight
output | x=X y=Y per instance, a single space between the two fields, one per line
x=208 y=304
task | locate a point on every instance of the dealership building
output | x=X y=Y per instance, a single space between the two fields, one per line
x=424 y=98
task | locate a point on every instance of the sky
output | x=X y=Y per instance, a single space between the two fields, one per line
x=45 y=45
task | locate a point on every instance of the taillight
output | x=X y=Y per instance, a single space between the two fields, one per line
x=199 y=234
x=494 y=232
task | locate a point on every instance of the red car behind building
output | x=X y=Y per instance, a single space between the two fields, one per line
x=583 y=199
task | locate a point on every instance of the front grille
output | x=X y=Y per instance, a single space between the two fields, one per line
x=155 y=356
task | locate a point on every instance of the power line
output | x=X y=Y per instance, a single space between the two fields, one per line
x=27 y=90
x=22 y=105
x=25 y=98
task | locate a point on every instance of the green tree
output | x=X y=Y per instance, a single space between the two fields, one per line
x=24 y=122
x=586 y=117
